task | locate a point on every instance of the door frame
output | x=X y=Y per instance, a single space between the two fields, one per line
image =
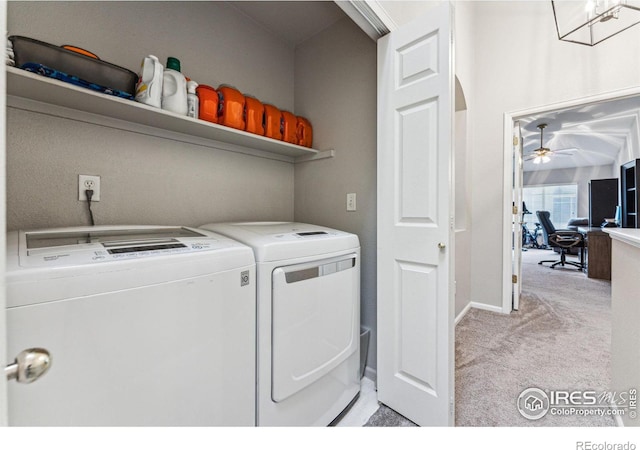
x=4 y=418
x=509 y=119
x=517 y=160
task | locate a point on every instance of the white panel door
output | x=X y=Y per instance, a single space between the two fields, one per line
x=415 y=301
x=518 y=215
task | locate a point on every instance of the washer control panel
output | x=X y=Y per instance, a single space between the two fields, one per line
x=57 y=248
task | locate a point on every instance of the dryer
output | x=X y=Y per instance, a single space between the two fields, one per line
x=308 y=294
x=146 y=326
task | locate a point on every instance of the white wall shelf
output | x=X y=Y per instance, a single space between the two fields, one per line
x=33 y=92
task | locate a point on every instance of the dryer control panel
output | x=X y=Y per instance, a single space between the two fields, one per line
x=277 y=241
x=306 y=235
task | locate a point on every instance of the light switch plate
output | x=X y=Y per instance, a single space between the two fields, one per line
x=351 y=202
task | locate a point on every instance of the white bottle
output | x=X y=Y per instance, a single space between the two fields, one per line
x=174 y=88
x=192 y=99
x=149 y=86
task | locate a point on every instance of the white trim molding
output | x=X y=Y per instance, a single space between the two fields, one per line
x=463 y=313
x=369 y=15
x=485 y=307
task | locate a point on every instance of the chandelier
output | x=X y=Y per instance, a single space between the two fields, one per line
x=592 y=21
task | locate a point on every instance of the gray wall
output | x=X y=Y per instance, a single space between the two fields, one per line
x=336 y=86
x=148 y=179
x=144 y=180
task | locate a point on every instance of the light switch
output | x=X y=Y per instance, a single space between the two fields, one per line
x=351 y=202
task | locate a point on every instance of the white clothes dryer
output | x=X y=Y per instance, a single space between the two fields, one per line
x=146 y=326
x=308 y=294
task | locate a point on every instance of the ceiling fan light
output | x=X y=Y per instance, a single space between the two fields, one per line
x=545 y=159
x=537 y=160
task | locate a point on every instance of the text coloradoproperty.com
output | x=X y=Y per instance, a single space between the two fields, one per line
x=573 y=411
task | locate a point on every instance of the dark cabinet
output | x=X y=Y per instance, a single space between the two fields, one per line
x=598 y=253
x=629 y=182
x=603 y=200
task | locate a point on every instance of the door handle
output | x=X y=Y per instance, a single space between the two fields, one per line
x=29 y=365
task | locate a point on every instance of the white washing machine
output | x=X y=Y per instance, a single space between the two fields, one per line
x=308 y=320
x=146 y=326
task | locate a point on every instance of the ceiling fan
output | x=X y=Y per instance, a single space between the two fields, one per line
x=542 y=154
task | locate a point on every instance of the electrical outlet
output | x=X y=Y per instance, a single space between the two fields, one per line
x=351 y=202
x=89 y=182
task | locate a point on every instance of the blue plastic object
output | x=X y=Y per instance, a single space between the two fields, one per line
x=52 y=73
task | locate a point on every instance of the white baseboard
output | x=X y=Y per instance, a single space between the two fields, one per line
x=484 y=306
x=477 y=305
x=464 y=311
x=372 y=374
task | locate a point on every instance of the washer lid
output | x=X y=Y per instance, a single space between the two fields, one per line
x=108 y=238
x=277 y=241
x=82 y=245
x=66 y=263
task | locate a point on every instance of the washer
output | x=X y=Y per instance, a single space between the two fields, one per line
x=308 y=319
x=146 y=326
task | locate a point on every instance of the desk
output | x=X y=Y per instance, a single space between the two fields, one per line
x=598 y=248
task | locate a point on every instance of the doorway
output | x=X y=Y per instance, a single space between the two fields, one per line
x=596 y=136
x=622 y=105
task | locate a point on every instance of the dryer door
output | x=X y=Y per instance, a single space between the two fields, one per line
x=315 y=321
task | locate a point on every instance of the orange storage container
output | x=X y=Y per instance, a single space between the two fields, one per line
x=254 y=115
x=272 y=122
x=304 y=132
x=290 y=127
x=208 y=99
x=231 y=108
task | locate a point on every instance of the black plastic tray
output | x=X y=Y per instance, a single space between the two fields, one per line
x=93 y=70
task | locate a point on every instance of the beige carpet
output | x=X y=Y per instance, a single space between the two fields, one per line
x=559 y=339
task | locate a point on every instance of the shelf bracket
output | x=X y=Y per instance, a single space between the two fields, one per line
x=320 y=155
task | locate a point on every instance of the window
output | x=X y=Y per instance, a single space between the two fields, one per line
x=560 y=200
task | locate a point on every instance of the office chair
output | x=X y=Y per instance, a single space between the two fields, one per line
x=564 y=240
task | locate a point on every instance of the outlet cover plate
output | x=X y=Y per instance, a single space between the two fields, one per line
x=82 y=186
